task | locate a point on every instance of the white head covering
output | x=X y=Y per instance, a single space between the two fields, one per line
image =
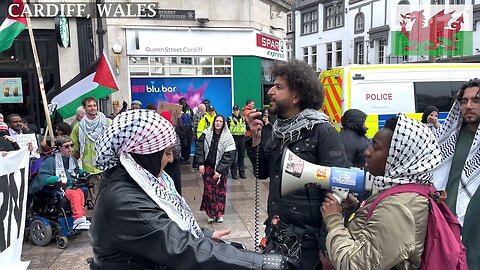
x=413 y=154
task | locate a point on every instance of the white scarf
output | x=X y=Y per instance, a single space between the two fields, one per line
x=447 y=136
x=60 y=168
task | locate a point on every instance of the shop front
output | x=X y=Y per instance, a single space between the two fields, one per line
x=226 y=66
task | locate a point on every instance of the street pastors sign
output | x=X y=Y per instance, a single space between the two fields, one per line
x=198 y=42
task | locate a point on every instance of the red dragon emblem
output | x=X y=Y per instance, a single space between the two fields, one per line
x=437 y=32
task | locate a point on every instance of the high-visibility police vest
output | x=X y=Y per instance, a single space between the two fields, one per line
x=237 y=125
x=204 y=123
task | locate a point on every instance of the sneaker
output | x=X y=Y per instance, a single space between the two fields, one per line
x=81 y=224
x=243 y=176
x=219 y=219
x=234 y=176
x=210 y=219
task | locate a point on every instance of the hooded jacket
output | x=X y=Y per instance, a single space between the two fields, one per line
x=353 y=136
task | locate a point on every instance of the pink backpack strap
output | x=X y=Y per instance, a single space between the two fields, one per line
x=416 y=188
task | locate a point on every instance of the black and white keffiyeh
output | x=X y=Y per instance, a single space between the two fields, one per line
x=145 y=132
x=288 y=130
x=413 y=154
x=226 y=142
x=91 y=129
x=447 y=136
x=60 y=168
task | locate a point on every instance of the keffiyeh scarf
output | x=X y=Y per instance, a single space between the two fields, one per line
x=91 y=129
x=60 y=168
x=447 y=136
x=145 y=132
x=288 y=130
x=225 y=143
x=413 y=154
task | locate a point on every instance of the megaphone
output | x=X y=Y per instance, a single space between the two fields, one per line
x=298 y=173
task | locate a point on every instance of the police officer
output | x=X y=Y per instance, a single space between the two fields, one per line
x=237 y=126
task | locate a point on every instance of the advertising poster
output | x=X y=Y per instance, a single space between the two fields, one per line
x=195 y=90
x=11 y=90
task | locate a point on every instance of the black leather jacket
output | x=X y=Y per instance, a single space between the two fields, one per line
x=321 y=145
x=130 y=231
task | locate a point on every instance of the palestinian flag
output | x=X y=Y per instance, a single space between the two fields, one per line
x=432 y=30
x=97 y=81
x=12 y=26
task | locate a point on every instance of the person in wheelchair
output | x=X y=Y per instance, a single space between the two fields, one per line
x=61 y=170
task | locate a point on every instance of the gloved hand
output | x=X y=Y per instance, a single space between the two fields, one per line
x=274 y=261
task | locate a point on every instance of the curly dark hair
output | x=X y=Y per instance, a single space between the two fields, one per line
x=471 y=83
x=302 y=79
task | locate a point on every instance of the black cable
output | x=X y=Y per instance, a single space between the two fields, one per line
x=256 y=236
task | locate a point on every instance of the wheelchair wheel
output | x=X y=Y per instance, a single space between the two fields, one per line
x=40 y=233
x=62 y=242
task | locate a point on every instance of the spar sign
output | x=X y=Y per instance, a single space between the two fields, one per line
x=275 y=48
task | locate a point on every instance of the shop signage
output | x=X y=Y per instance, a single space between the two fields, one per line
x=195 y=90
x=173 y=15
x=204 y=42
x=11 y=90
x=62 y=28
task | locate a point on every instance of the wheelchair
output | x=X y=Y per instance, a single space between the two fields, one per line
x=50 y=216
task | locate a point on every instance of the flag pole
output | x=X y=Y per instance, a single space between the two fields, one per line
x=40 y=80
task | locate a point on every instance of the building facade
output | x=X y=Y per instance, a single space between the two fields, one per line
x=332 y=33
x=228 y=45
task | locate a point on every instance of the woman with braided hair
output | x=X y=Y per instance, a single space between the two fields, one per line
x=140 y=221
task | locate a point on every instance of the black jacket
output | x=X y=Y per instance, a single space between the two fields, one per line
x=320 y=145
x=353 y=137
x=130 y=231
x=225 y=162
x=6 y=145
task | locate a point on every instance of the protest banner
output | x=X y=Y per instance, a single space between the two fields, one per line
x=14 y=172
x=24 y=139
x=174 y=109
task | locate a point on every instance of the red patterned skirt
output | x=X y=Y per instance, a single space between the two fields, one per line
x=214 y=194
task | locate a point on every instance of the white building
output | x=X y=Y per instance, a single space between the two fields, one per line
x=331 y=33
x=231 y=40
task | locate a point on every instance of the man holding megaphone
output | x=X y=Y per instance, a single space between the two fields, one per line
x=295 y=99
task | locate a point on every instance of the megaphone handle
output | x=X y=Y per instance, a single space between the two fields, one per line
x=340 y=193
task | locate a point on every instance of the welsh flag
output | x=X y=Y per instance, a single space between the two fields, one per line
x=97 y=81
x=432 y=30
x=12 y=26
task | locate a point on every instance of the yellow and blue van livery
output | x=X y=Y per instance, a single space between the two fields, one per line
x=382 y=91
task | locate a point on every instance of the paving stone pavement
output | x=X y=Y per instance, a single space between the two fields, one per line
x=239 y=217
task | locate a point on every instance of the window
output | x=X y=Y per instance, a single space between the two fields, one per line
x=334 y=16
x=289 y=51
x=329 y=55
x=359 y=51
x=314 y=57
x=359 y=23
x=439 y=93
x=338 y=53
x=457 y=2
x=437 y=2
x=305 y=54
x=310 y=22
x=382 y=43
x=404 y=2
x=289 y=23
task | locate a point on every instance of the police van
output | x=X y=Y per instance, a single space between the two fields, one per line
x=382 y=91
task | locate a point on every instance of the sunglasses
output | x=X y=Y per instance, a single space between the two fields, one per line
x=68 y=145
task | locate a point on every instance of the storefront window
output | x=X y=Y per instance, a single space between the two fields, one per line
x=180 y=66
